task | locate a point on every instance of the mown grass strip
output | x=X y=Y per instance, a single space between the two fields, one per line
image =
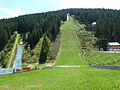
x=13 y=51
x=69 y=48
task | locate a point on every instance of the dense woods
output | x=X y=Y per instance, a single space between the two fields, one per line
x=86 y=39
x=33 y=26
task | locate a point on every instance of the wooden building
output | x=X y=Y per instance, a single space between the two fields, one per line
x=113 y=46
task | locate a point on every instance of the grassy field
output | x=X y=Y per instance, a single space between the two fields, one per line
x=105 y=58
x=81 y=78
x=69 y=49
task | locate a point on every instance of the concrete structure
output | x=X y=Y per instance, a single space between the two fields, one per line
x=113 y=46
x=4 y=71
x=21 y=42
x=93 y=24
x=18 y=59
x=68 y=16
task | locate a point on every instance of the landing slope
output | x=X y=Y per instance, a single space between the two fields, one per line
x=69 y=49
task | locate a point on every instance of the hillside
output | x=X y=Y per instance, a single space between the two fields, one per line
x=69 y=48
x=7 y=55
x=70 y=78
x=34 y=26
x=105 y=59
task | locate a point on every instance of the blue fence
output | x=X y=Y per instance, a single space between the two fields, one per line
x=4 y=71
x=18 y=59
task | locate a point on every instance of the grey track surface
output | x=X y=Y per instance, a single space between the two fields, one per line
x=18 y=58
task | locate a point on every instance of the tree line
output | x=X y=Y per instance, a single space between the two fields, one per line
x=86 y=39
x=34 y=26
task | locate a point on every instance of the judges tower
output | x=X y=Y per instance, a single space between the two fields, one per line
x=68 y=16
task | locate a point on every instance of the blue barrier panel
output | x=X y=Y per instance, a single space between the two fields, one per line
x=18 y=59
x=4 y=71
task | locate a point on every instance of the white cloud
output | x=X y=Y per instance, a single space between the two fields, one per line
x=114 y=4
x=1 y=17
x=8 y=13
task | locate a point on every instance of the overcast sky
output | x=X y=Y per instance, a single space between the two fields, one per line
x=12 y=8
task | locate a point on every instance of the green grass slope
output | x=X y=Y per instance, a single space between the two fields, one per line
x=13 y=52
x=104 y=58
x=69 y=50
x=7 y=55
x=81 y=78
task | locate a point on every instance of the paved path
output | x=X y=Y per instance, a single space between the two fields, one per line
x=107 y=67
x=71 y=66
